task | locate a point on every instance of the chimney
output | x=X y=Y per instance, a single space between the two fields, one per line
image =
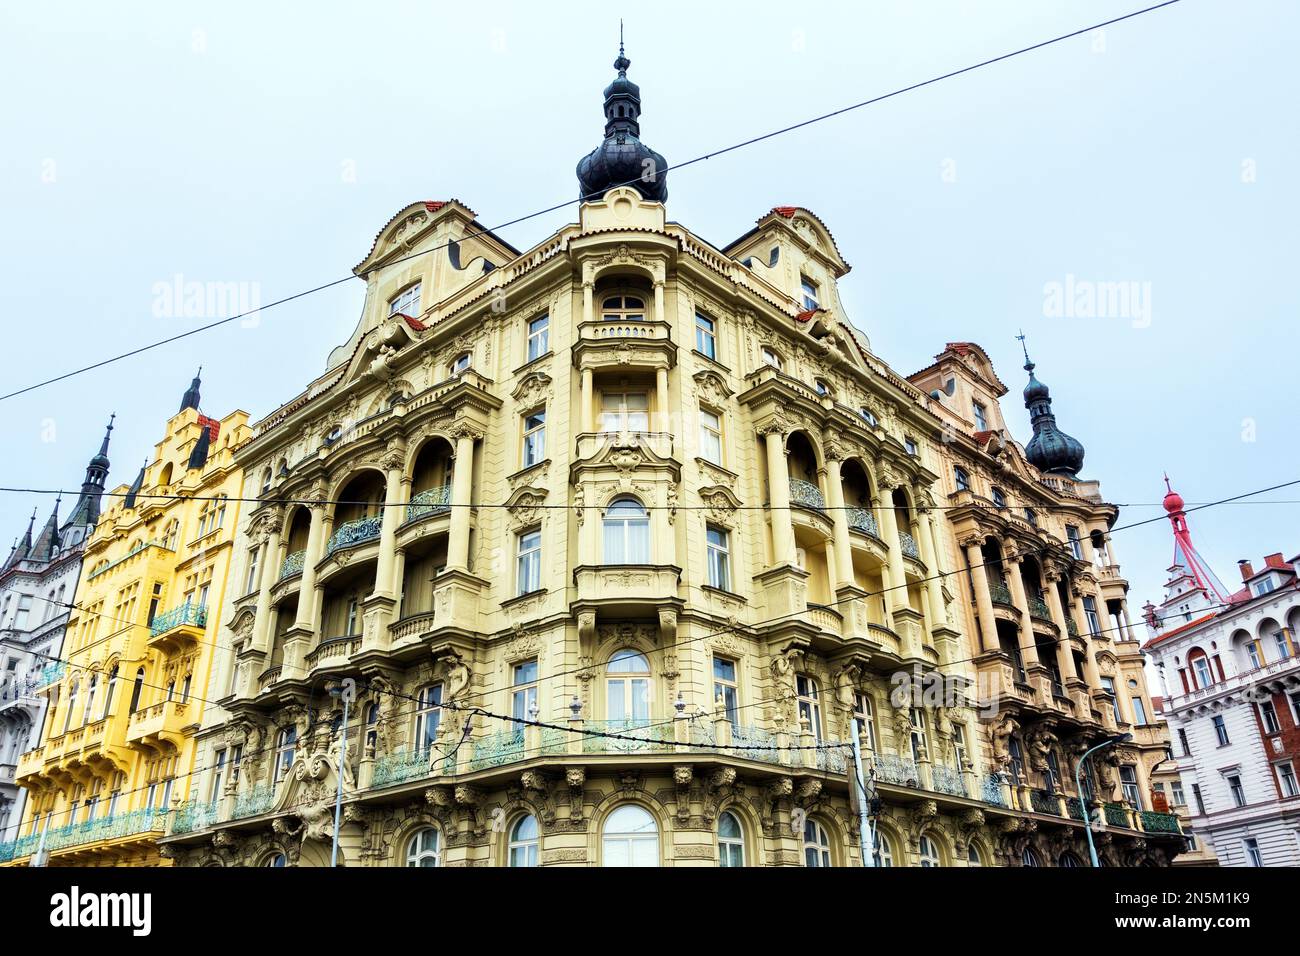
x=1247 y=572
x=1274 y=560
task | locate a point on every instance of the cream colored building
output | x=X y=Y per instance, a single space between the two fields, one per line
x=618 y=540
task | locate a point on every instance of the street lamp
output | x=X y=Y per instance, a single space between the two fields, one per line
x=1078 y=786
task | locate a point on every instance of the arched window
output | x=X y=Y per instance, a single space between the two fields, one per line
x=523 y=842
x=136 y=688
x=1201 y=668
x=627 y=688
x=884 y=850
x=731 y=840
x=424 y=848
x=1070 y=860
x=810 y=708
x=1030 y=857
x=771 y=358
x=276 y=859
x=88 y=714
x=623 y=308
x=630 y=838
x=929 y=850
x=973 y=857
x=627 y=533
x=72 y=705
x=460 y=363
x=816 y=844
x=284 y=747
x=109 y=691
x=171 y=535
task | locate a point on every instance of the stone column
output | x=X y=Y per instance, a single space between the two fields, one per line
x=930 y=555
x=397 y=488
x=268 y=571
x=778 y=484
x=462 y=485
x=661 y=400
x=983 y=599
x=587 y=400
x=840 y=523
x=896 y=596
x=1028 y=647
x=306 y=619
x=1064 y=655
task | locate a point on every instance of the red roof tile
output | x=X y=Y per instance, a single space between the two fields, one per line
x=1161 y=638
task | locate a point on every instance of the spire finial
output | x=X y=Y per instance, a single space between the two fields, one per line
x=1029 y=366
x=1168 y=487
x=622 y=63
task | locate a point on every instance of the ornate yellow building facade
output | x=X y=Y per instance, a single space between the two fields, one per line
x=117 y=754
x=599 y=553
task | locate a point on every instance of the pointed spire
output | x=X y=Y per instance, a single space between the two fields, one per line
x=1187 y=562
x=1051 y=450
x=191 y=397
x=86 y=510
x=47 y=543
x=136 y=485
x=199 y=456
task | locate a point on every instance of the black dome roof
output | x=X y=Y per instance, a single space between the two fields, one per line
x=622 y=159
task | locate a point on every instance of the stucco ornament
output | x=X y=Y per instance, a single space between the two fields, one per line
x=1000 y=735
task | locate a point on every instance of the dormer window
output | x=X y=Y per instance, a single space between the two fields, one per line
x=810 y=293
x=981 y=417
x=1263 y=587
x=406 y=302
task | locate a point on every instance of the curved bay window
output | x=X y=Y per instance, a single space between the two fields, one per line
x=628 y=688
x=627 y=532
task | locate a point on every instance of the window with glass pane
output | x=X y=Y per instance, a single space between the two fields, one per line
x=528 y=569
x=276 y=860
x=630 y=837
x=710 y=437
x=719 y=558
x=916 y=716
x=284 y=752
x=961 y=478
x=929 y=851
x=772 y=359
x=539 y=334
x=981 y=417
x=523 y=842
x=407 y=302
x=627 y=308
x=973 y=857
x=627 y=533
x=534 y=437
x=909 y=446
x=1238 y=791
x=460 y=364
x=1139 y=711
x=218 y=773
x=625 y=411
x=428 y=715
x=999 y=499
x=725 y=688
x=810 y=708
x=1076 y=544
x=1287 y=781
x=627 y=688
x=1090 y=613
x=1283 y=649
x=959 y=746
x=1252 y=651
x=706 y=338
x=816 y=845
x=884 y=850
x=523 y=699
x=1253 y=856
x=1221 y=731
x=1129 y=785
x=424 y=848
x=731 y=840
x=864 y=720
x=809 y=289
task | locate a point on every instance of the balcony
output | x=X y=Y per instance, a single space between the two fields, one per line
x=49 y=674
x=626 y=584
x=826 y=618
x=333 y=652
x=181 y=626
x=432 y=501
x=806 y=495
x=591 y=444
x=165 y=721
x=1288 y=666
x=900 y=771
x=1038 y=609
x=193 y=815
x=999 y=593
x=292 y=565
x=1155 y=822
x=352 y=533
x=116 y=827
x=628 y=344
x=860 y=519
x=949 y=780
x=908 y=544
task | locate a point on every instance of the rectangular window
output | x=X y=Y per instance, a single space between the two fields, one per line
x=864 y=720
x=1253 y=856
x=1286 y=780
x=539 y=337
x=909 y=446
x=1176 y=794
x=528 y=568
x=236 y=760
x=919 y=742
x=353 y=610
x=534 y=437
x=1237 y=790
x=1269 y=717
x=1128 y=784
x=706 y=336
x=218 y=772
x=981 y=417
x=726 y=689
x=810 y=710
x=1139 y=712
x=1108 y=685
x=1183 y=743
x=625 y=411
x=719 y=558
x=428 y=715
x=1076 y=544
x=1199 y=798
x=962 y=479
x=710 y=437
x=959 y=746
x=1221 y=731
x=523 y=698
x=1295 y=708
x=809 y=289
x=1090 y=614
x=406 y=302
x=1283 y=649
x=1263 y=587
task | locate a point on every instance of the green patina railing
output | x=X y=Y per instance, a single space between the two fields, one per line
x=634 y=736
x=1044 y=802
x=354 y=532
x=991 y=790
x=195 y=614
x=498 y=749
x=1153 y=821
x=945 y=779
x=252 y=802
x=90 y=831
x=1070 y=627
x=50 y=674
x=292 y=565
x=1038 y=608
x=193 y=815
x=1074 y=807
x=807 y=494
x=1117 y=815
x=1000 y=593
x=431 y=502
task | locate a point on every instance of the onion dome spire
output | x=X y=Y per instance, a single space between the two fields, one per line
x=1051 y=450
x=191 y=397
x=86 y=510
x=622 y=159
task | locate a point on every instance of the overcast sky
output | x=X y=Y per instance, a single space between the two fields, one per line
x=266 y=144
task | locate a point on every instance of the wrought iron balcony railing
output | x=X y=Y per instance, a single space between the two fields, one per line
x=131 y=823
x=861 y=519
x=431 y=502
x=1153 y=821
x=1044 y=801
x=187 y=613
x=633 y=736
x=194 y=815
x=908 y=544
x=1038 y=608
x=252 y=802
x=354 y=532
x=292 y=564
x=991 y=790
x=947 y=779
x=1000 y=593
x=807 y=494
x=892 y=768
x=1117 y=815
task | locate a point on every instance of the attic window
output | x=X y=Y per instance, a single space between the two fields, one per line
x=460 y=364
x=774 y=256
x=869 y=417
x=406 y=302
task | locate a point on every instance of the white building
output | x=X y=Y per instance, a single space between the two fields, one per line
x=1230 y=668
x=38 y=582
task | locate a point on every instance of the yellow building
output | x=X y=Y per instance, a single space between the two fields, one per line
x=118 y=749
x=656 y=496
